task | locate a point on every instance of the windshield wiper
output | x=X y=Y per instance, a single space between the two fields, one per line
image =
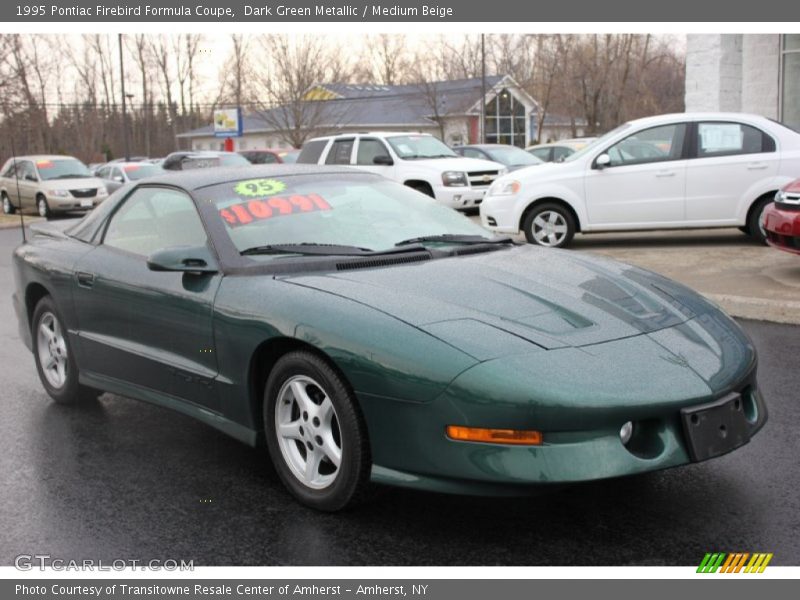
x=307 y=248
x=451 y=238
x=313 y=248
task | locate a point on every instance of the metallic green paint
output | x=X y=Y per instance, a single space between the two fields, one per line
x=520 y=337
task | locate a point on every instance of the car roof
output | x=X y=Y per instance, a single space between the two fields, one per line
x=195 y=179
x=45 y=157
x=375 y=133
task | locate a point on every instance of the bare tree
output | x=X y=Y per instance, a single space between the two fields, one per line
x=295 y=65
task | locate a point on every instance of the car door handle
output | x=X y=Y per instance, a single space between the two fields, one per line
x=756 y=166
x=665 y=174
x=85 y=279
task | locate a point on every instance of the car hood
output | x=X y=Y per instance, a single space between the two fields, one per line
x=457 y=164
x=75 y=183
x=518 y=299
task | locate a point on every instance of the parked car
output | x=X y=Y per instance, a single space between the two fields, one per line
x=512 y=157
x=290 y=156
x=782 y=219
x=558 y=151
x=370 y=333
x=50 y=184
x=115 y=175
x=666 y=172
x=187 y=159
x=266 y=157
x=417 y=160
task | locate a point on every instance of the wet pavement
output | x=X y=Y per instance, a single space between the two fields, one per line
x=120 y=479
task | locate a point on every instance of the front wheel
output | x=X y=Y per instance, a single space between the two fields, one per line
x=43 y=207
x=550 y=225
x=8 y=208
x=315 y=433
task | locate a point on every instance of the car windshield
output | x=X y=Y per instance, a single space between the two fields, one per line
x=62 y=169
x=353 y=210
x=141 y=171
x=596 y=143
x=415 y=147
x=512 y=156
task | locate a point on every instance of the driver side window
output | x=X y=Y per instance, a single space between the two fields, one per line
x=656 y=144
x=153 y=218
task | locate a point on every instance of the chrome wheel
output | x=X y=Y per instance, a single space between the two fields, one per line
x=549 y=228
x=8 y=208
x=52 y=349
x=307 y=430
x=41 y=205
x=762 y=219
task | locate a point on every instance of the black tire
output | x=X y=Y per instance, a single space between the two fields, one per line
x=71 y=391
x=8 y=207
x=42 y=207
x=351 y=483
x=745 y=230
x=422 y=187
x=754 y=220
x=560 y=238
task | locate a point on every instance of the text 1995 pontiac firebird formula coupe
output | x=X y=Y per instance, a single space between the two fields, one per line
x=365 y=333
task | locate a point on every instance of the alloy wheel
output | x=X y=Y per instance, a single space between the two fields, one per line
x=307 y=430
x=549 y=228
x=52 y=350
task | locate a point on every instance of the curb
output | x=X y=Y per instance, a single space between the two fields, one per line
x=758 y=309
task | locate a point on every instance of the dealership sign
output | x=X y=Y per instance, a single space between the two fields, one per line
x=228 y=122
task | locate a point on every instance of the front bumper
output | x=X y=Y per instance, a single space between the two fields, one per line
x=62 y=204
x=461 y=197
x=497 y=214
x=783 y=228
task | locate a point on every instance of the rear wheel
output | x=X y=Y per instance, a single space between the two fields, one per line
x=315 y=433
x=755 y=221
x=8 y=208
x=549 y=224
x=55 y=362
x=42 y=207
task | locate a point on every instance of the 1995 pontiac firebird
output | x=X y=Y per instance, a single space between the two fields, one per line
x=365 y=333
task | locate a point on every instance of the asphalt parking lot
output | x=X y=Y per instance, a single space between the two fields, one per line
x=123 y=479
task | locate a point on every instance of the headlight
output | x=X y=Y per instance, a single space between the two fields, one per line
x=453 y=178
x=505 y=188
x=59 y=193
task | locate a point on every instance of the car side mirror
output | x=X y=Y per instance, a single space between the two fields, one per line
x=187 y=259
x=383 y=159
x=602 y=161
x=31 y=178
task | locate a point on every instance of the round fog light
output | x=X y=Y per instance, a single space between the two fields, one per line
x=625 y=433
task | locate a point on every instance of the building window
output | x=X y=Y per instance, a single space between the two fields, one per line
x=505 y=120
x=790 y=80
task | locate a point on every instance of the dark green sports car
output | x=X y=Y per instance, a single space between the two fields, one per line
x=363 y=332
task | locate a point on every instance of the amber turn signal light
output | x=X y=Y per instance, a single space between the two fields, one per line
x=514 y=437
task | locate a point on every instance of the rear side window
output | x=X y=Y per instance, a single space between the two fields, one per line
x=340 y=153
x=561 y=152
x=311 y=152
x=541 y=153
x=729 y=139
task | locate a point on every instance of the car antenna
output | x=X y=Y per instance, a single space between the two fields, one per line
x=19 y=198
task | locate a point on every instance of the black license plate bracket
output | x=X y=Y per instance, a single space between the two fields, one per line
x=715 y=428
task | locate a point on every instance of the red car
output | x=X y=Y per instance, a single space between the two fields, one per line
x=782 y=219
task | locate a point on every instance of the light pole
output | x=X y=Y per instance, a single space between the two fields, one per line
x=124 y=105
x=483 y=91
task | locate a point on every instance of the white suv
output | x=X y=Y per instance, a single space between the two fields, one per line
x=665 y=172
x=417 y=160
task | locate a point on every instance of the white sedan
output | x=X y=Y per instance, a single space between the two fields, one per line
x=666 y=172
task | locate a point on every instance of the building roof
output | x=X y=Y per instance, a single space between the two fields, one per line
x=373 y=106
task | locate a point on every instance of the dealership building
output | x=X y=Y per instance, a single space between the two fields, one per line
x=754 y=73
x=447 y=109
